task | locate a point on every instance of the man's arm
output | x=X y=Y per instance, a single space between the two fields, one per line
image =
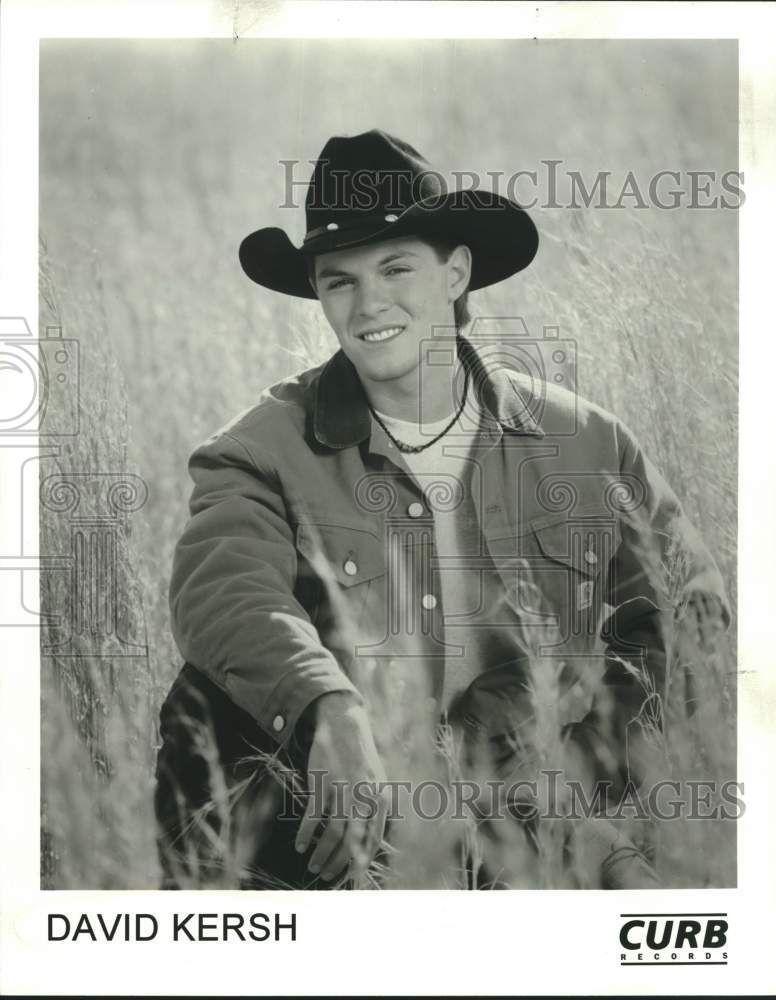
x=234 y=613
x=235 y=617
x=661 y=567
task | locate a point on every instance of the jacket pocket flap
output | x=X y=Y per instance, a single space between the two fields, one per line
x=344 y=553
x=586 y=546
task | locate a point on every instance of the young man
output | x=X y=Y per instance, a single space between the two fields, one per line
x=410 y=520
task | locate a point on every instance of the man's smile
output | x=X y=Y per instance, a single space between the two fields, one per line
x=381 y=334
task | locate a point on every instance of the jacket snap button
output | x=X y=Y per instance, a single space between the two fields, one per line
x=332 y=227
x=415 y=510
x=391 y=218
x=350 y=568
x=591 y=557
x=278 y=722
x=428 y=601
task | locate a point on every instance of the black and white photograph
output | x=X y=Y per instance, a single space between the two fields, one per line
x=380 y=424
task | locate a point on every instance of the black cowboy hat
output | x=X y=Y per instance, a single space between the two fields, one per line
x=373 y=187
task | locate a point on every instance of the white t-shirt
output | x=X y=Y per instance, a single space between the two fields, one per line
x=456 y=532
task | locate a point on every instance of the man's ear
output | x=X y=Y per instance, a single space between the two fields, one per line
x=459 y=271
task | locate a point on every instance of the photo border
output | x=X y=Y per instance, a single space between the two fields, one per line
x=511 y=941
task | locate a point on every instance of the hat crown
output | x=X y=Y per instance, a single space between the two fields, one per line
x=373 y=187
x=359 y=178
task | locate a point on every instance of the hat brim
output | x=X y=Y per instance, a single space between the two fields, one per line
x=501 y=236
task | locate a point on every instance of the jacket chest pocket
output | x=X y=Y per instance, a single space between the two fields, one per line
x=340 y=575
x=567 y=565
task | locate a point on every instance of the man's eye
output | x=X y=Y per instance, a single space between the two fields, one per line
x=398 y=270
x=339 y=283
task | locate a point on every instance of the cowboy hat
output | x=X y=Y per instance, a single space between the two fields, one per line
x=372 y=187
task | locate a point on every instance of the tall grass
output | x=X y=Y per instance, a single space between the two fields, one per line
x=98 y=707
x=99 y=712
x=141 y=216
x=455 y=842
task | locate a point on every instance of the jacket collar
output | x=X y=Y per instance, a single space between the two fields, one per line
x=341 y=417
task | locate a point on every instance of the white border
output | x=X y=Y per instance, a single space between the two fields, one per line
x=429 y=942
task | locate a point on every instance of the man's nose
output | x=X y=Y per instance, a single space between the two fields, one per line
x=372 y=299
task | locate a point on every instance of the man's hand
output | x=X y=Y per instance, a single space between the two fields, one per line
x=343 y=758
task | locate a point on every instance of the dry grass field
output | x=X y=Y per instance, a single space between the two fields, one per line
x=157 y=158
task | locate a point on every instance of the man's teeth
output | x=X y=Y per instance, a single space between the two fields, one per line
x=382 y=334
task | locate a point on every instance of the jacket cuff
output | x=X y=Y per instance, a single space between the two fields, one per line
x=293 y=694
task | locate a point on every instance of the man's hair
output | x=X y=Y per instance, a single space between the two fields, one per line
x=442 y=248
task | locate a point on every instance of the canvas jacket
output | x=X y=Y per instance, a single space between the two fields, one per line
x=282 y=578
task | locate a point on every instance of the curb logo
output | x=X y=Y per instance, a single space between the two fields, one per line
x=673 y=939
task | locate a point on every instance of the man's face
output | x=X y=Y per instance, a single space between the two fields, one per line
x=384 y=299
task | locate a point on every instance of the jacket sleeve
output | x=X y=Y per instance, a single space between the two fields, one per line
x=234 y=613
x=661 y=576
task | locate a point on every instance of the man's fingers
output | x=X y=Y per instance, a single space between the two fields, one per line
x=365 y=836
x=336 y=861
x=329 y=843
x=376 y=833
x=357 y=840
x=313 y=815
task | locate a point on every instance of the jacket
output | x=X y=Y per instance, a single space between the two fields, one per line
x=282 y=580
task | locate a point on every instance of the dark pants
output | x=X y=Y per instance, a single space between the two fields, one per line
x=225 y=816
